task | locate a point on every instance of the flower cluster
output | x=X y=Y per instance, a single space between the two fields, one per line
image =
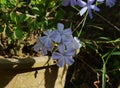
x=88 y=6
x=60 y=43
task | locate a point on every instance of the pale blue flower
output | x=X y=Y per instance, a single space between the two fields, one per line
x=67 y=2
x=110 y=3
x=47 y=40
x=39 y=47
x=61 y=34
x=63 y=56
x=87 y=7
x=66 y=45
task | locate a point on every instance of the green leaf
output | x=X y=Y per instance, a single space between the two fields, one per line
x=36 y=11
x=95 y=26
x=18 y=34
x=3 y=1
x=115 y=53
x=22 y=17
x=51 y=3
x=8 y=32
x=58 y=15
x=14 y=17
x=104 y=38
x=14 y=2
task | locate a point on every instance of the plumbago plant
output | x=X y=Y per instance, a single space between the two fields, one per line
x=63 y=46
x=60 y=43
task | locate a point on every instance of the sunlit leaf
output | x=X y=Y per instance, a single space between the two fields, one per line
x=36 y=11
x=14 y=17
x=14 y=2
x=18 y=34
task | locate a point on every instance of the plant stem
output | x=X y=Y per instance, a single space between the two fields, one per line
x=104 y=75
x=117 y=28
x=83 y=24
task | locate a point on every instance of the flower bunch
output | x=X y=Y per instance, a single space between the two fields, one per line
x=88 y=6
x=60 y=43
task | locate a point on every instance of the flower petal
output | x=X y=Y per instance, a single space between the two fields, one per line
x=65 y=2
x=49 y=48
x=90 y=2
x=39 y=40
x=95 y=8
x=70 y=52
x=68 y=31
x=83 y=10
x=48 y=42
x=69 y=60
x=44 y=51
x=61 y=48
x=73 y=2
x=56 y=55
x=37 y=47
x=81 y=3
x=76 y=42
x=90 y=13
x=47 y=32
x=60 y=26
x=61 y=62
x=66 y=40
x=42 y=39
x=110 y=3
x=55 y=36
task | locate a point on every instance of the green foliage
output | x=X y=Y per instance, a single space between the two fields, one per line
x=22 y=18
x=18 y=34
